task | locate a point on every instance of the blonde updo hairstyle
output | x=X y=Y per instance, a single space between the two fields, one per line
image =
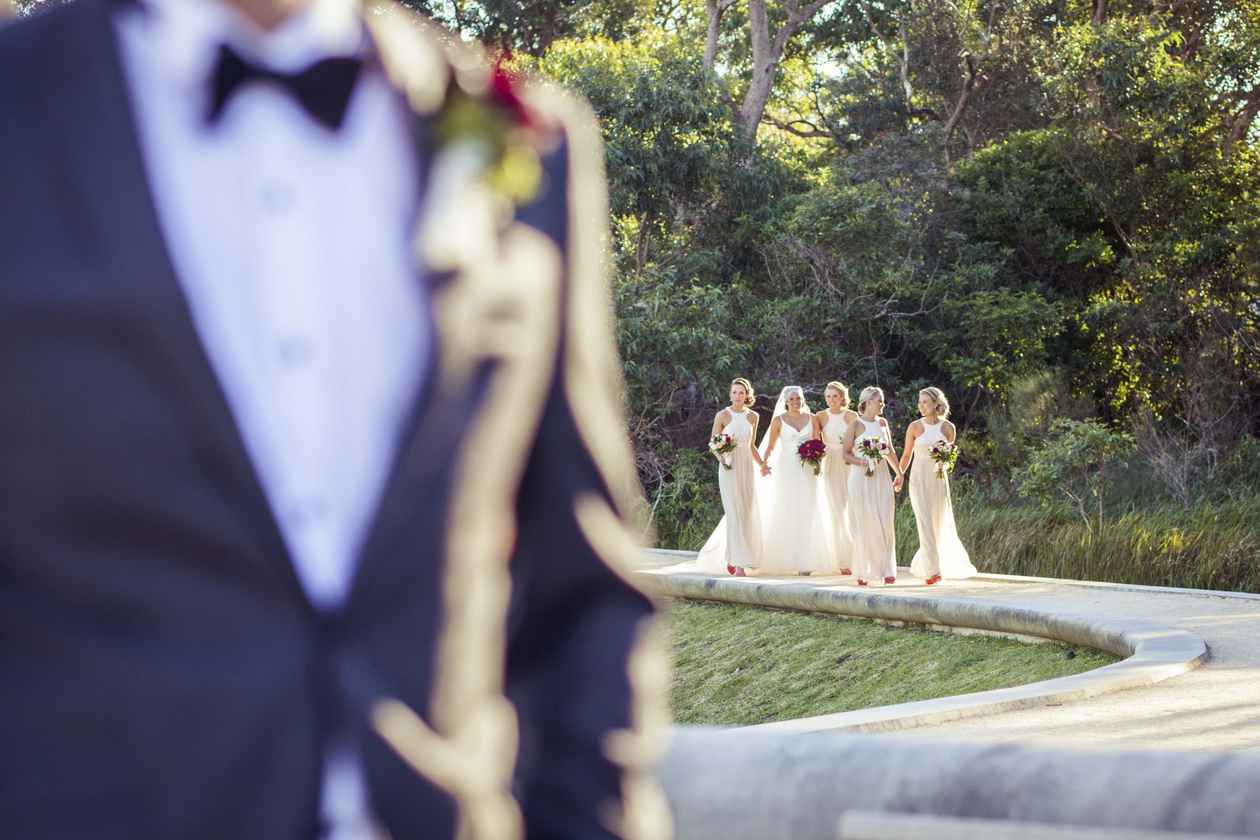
x=839 y=387
x=937 y=396
x=751 y=400
x=869 y=393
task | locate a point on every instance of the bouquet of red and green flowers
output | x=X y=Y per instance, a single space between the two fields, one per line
x=945 y=454
x=811 y=453
x=721 y=446
x=873 y=449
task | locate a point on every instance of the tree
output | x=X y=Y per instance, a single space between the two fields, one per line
x=26 y=7
x=532 y=26
x=666 y=138
x=1073 y=463
x=769 y=33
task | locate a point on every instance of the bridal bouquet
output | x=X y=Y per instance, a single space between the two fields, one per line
x=811 y=453
x=945 y=454
x=721 y=446
x=873 y=449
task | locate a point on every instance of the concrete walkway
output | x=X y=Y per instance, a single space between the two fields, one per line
x=1212 y=703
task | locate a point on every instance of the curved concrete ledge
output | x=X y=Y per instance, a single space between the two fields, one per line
x=770 y=786
x=1121 y=587
x=1153 y=653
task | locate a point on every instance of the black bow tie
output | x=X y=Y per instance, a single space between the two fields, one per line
x=323 y=89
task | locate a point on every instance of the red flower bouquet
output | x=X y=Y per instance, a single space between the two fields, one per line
x=722 y=445
x=811 y=453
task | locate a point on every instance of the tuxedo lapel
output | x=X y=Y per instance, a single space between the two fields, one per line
x=449 y=519
x=460 y=365
x=120 y=224
x=438 y=419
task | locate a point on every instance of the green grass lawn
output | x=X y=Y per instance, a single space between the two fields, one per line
x=736 y=665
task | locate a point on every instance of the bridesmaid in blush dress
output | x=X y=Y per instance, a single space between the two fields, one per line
x=830 y=427
x=735 y=544
x=941 y=552
x=871 y=493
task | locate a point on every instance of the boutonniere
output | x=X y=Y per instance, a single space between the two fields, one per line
x=498 y=129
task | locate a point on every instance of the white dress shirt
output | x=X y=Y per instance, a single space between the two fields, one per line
x=292 y=243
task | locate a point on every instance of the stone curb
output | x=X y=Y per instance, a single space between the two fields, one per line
x=1122 y=587
x=882 y=825
x=1152 y=653
x=679 y=556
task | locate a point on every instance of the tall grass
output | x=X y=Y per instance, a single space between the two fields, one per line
x=1212 y=545
x=1145 y=538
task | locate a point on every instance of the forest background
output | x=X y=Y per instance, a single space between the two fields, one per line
x=1047 y=208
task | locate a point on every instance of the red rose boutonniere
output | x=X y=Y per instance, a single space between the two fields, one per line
x=499 y=122
x=505 y=92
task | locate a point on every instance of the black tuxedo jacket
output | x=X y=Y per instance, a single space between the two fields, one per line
x=162 y=673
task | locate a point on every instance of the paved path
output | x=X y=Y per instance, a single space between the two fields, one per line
x=1214 y=707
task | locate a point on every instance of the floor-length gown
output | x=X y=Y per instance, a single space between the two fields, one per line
x=789 y=543
x=940 y=551
x=737 y=539
x=871 y=512
x=838 y=541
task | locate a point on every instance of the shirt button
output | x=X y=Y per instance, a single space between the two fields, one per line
x=307 y=514
x=275 y=198
x=294 y=351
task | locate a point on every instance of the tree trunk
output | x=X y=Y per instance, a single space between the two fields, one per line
x=973 y=82
x=641 y=246
x=960 y=107
x=767 y=52
x=763 y=71
x=904 y=69
x=1242 y=123
x=714 y=10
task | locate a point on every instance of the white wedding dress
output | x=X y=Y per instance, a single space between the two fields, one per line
x=797 y=536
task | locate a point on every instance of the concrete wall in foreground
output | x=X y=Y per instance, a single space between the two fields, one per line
x=733 y=785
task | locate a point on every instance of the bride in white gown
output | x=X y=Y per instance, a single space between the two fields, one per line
x=792 y=543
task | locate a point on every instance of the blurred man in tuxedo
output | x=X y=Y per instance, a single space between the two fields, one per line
x=313 y=460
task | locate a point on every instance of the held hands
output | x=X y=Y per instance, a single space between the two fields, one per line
x=898 y=481
x=765 y=469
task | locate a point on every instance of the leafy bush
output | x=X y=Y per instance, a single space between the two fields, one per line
x=1072 y=462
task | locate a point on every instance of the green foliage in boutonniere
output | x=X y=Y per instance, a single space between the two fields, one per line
x=499 y=121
